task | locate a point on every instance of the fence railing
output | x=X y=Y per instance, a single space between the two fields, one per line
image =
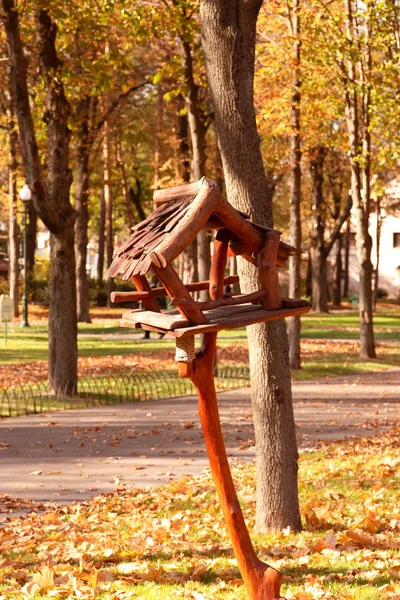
x=36 y=397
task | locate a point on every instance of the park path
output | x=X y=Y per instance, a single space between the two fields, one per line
x=74 y=455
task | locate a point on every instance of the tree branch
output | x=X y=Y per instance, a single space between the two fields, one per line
x=338 y=225
x=115 y=103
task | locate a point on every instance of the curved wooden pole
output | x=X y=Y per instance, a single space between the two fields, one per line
x=262 y=582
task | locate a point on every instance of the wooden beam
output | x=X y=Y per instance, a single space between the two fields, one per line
x=175 y=288
x=194 y=219
x=181 y=191
x=142 y=285
x=218 y=302
x=268 y=274
x=160 y=292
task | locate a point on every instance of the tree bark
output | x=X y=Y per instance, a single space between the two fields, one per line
x=13 y=229
x=319 y=283
x=294 y=325
x=228 y=38
x=82 y=175
x=50 y=195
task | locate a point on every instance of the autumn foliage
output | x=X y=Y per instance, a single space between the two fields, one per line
x=171 y=542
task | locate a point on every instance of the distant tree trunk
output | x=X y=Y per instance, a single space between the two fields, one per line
x=346 y=260
x=228 y=38
x=50 y=194
x=319 y=283
x=197 y=131
x=102 y=237
x=360 y=178
x=13 y=229
x=158 y=137
x=108 y=204
x=82 y=175
x=378 y=248
x=183 y=142
x=124 y=181
x=294 y=325
x=31 y=235
x=338 y=273
x=134 y=197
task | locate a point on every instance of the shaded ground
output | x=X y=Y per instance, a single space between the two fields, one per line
x=73 y=455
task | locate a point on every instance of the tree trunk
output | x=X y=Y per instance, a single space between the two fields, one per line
x=108 y=205
x=183 y=143
x=82 y=211
x=337 y=283
x=197 y=131
x=360 y=194
x=319 y=283
x=378 y=248
x=294 y=325
x=158 y=135
x=31 y=236
x=50 y=194
x=63 y=330
x=13 y=229
x=228 y=38
x=134 y=197
x=102 y=237
x=124 y=182
x=346 y=273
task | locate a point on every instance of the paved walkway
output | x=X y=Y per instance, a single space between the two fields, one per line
x=77 y=454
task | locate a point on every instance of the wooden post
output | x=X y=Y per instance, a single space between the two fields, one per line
x=266 y=262
x=262 y=582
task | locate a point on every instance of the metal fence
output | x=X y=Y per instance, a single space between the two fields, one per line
x=111 y=389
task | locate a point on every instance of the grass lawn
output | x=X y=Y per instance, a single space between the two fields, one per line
x=171 y=542
x=100 y=339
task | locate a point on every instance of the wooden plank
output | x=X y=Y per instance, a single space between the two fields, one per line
x=261 y=316
x=165 y=320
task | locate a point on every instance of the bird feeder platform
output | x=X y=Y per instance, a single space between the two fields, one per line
x=224 y=317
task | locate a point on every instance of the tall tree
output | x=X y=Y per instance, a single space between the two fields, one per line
x=13 y=229
x=228 y=39
x=293 y=10
x=320 y=244
x=51 y=193
x=84 y=144
x=356 y=70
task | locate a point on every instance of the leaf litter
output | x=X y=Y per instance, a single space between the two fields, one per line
x=170 y=542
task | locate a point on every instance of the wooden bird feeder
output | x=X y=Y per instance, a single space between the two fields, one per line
x=182 y=212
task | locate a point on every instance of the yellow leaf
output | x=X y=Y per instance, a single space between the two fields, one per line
x=45 y=579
